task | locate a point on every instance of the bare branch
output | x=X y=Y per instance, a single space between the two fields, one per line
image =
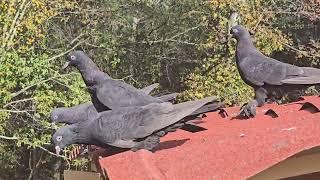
x=32 y=170
x=172 y=38
x=183 y=42
x=38 y=83
x=54 y=154
x=301 y=51
x=16 y=111
x=8 y=138
x=66 y=52
x=18 y=101
x=75 y=39
x=304 y=13
x=19 y=14
x=126 y=77
x=57 y=155
x=16 y=138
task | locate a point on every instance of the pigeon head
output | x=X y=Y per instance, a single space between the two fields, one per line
x=63 y=137
x=239 y=31
x=76 y=59
x=58 y=115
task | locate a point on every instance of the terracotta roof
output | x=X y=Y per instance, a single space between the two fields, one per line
x=228 y=149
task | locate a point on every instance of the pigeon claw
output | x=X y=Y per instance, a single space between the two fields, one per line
x=161 y=133
x=149 y=143
x=248 y=110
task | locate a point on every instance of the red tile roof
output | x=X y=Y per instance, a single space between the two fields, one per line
x=228 y=149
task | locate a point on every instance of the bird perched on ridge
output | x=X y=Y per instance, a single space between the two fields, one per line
x=134 y=127
x=86 y=111
x=107 y=93
x=270 y=78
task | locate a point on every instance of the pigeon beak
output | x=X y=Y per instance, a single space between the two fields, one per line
x=54 y=126
x=65 y=65
x=57 y=150
x=231 y=34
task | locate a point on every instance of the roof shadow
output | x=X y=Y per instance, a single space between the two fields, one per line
x=171 y=144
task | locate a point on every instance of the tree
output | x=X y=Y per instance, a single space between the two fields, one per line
x=30 y=87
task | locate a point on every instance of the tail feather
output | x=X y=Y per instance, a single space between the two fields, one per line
x=310 y=71
x=180 y=115
x=149 y=88
x=207 y=108
x=168 y=97
x=303 y=80
x=310 y=76
x=172 y=114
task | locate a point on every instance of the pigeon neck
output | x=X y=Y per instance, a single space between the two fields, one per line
x=83 y=133
x=91 y=74
x=244 y=47
x=70 y=117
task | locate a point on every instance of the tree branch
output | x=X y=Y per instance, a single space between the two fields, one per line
x=66 y=52
x=54 y=154
x=172 y=38
x=8 y=138
x=43 y=81
x=16 y=111
x=18 y=101
x=16 y=138
x=301 y=51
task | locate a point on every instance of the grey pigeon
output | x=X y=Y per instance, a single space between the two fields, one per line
x=75 y=114
x=107 y=93
x=82 y=112
x=86 y=111
x=135 y=127
x=270 y=79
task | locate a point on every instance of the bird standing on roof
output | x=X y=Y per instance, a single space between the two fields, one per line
x=135 y=127
x=270 y=79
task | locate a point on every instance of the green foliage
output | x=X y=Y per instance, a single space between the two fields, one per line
x=30 y=87
x=142 y=41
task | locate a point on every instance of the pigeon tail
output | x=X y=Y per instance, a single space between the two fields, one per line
x=150 y=88
x=310 y=76
x=175 y=113
x=168 y=97
x=210 y=107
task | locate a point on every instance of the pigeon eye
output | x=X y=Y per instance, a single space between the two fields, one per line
x=73 y=57
x=235 y=30
x=59 y=138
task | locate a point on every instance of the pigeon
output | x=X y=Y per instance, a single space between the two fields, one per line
x=75 y=114
x=92 y=74
x=133 y=127
x=271 y=79
x=82 y=112
x=107 y=93
x=85 y=111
